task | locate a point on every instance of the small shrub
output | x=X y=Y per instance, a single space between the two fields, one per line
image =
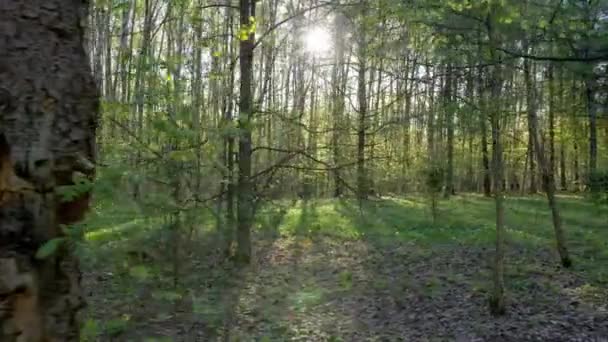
x=598 y=184
x=434 y=179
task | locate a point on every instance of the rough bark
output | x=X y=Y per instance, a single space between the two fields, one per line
x=48 y=117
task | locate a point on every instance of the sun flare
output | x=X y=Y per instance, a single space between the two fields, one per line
x=317 y=41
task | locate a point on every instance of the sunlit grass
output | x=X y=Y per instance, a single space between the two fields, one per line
x=306 y=270
x=114 y=231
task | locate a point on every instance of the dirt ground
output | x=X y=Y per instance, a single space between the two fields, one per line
x=328 y=289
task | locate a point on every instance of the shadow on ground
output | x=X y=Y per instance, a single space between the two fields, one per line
x=379 y=270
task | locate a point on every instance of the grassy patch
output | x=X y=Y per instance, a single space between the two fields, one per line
x=320 y=259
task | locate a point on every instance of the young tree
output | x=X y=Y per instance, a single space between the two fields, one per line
x=48 y=117
x=548 y=176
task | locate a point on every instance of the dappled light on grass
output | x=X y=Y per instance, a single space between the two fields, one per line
x=591 y=295
x=324 y=219
x=112 y=232
x=524 y=237
x=328 y=268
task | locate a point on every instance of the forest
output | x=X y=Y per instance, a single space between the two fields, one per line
x=303 y=170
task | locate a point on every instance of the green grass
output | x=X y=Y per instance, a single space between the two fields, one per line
x=299 y=283
x=466 y=219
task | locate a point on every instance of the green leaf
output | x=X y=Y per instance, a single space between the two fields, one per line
x=49 y=248
x=244 y=34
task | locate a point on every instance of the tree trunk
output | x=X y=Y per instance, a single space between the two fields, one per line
x=123 y=52
x=47 y=134
x=109 y=84
x=228 y=143
x=408 y=86
x=562 y=131
x=551 y=120
x=485 y=162
x=532 y=155
x=548 y=179
x=362 y=188
x=449 y=113
x=592 y=112
x=245 y=188
x=337 y=101
x=431 y=120
x=497 y=299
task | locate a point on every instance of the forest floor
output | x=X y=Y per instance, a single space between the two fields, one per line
x=330 y=270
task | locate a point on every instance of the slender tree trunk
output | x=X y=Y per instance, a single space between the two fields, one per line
x=363 y=116
x=123 y=52
x=532 y=159
x=449 y=180
x=497 y=303
x=562 y=167
x=562 y=130
x=129 y=58
x=229 y=142
x=497 y=299
x=470 y=130
x=575 y=96
x=408 y=87
x=47 y=133
x=552 y=158
x=548 y=179
x=337 y=101
x=109 y=84
x=532 y=165
x=431 y=120
x=245 y=189
x=592 y=113
x=97 y=43
x=577 y=178
x=485 y=162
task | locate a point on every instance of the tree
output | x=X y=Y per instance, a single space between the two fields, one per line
x=48 y=118
x=497 y=299
x=245 y=189
x=362 y=181
x=548 y=176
